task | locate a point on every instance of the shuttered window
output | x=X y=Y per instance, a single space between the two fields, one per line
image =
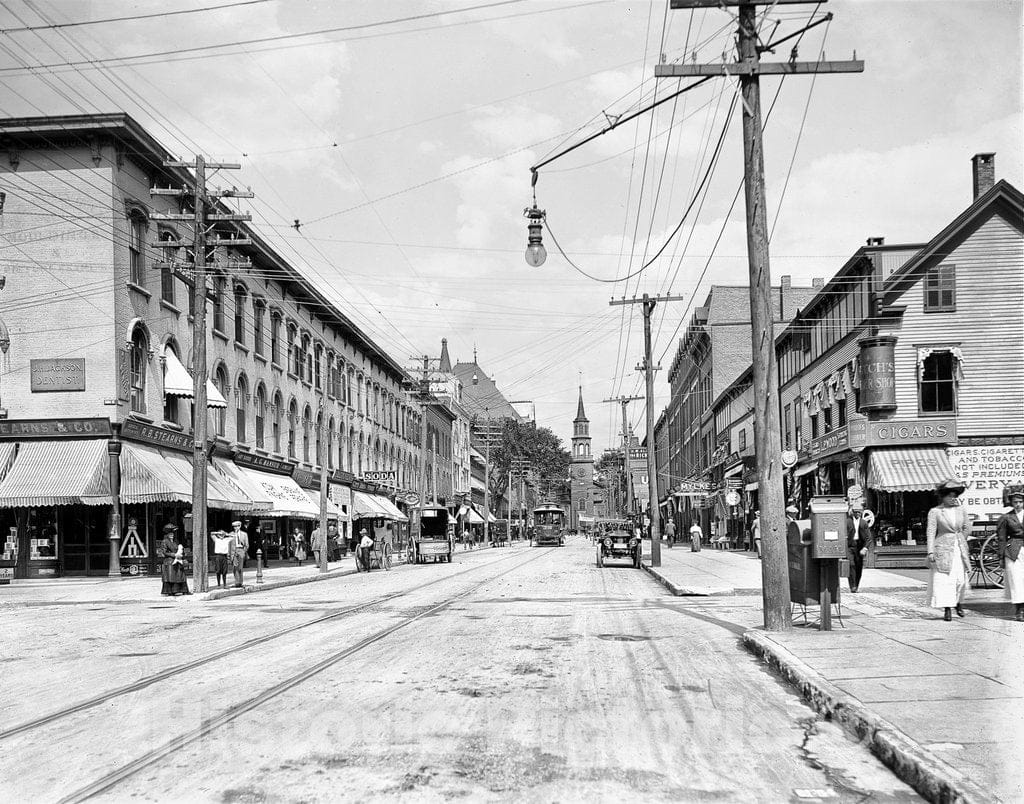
x=940 y=289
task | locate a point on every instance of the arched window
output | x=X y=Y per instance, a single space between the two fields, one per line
x=293 y=423
x=331 y=439
x=306 y=366
x=350 y=447
x=307 y=416
x=359 y=456
x=220 y=379
x=138 y=357
x=359 y=395
x=293 y=350
x=241 y=408
x=167 y=270
x=278 y=412
x=318 y=356
x=261 y=413
x=240 y=296
x=137 y=248
x=376 y=454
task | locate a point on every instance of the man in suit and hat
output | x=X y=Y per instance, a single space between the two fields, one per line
x=239 y=550
x=859 y=539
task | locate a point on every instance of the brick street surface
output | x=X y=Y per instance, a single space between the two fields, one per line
x=942 y=703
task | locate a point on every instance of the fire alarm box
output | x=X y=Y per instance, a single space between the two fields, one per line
x=828 y=527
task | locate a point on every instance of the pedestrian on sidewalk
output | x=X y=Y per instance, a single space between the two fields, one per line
x=174 y=578
x=239 y=551
x=333 y=549
x=696 y=535
x=221 y=555
x=316 y=542
x=670 y=531
x=947 y=550
x=859 y=539
x=755 y=532
x=1011 y=541
x=365 y=546
x=298 y=546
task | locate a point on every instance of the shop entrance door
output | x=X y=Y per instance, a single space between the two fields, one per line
x=86 y=549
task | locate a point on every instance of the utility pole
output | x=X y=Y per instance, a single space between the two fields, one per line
x=424 y=391
x=649 y=303
x=624 y=401
x=749 y=68
x=201 y=219
x=322 y=440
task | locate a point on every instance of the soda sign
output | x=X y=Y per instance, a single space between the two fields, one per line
x=380 y=477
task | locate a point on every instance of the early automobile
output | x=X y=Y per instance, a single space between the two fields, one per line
x=548 y=526
x=618 y=542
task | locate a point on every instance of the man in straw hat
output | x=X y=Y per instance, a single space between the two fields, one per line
x=859 y=539
x=239 y=550
x=1010 y=530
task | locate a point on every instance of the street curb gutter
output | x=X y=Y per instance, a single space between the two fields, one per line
x=934 y=779
x=217 y=594
x=687 y=591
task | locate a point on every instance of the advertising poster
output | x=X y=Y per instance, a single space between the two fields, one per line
x=987 y=471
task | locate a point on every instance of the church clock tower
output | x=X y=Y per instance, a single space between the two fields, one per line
x=581 y=468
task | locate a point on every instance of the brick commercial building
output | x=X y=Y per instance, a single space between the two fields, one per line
x=96 y=435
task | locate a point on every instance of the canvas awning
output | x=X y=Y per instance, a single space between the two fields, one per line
x=333 y=512
x=805 y=469
x=474 y=517
x=151 y=475
x=57 y=473
x=750 y=486
x=393 y=511
x=285 y=495
x=261 y=500
x=178 y=382
x=734 y=471
x=908 y=468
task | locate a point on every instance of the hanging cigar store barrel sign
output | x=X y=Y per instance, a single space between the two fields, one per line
x=877 y=372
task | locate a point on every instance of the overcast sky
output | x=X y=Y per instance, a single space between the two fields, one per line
x=403 y=146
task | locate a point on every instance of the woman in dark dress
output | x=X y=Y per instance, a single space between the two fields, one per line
x=172 y=571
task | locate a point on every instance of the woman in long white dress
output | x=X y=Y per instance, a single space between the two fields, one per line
x=947 y=550
x=1011 y=546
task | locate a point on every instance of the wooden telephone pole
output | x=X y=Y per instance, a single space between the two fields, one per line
x=624 y=401
x=767 y=441
x=204 y=221
x=649 y=304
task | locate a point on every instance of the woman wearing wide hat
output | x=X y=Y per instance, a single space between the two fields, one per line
x=947 y=550
x=1011 y=545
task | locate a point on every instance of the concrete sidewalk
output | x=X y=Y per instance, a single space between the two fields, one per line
x=730 y=572
x=70 y=591
x=942 y=704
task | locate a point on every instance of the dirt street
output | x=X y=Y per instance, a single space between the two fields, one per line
x=515 y=674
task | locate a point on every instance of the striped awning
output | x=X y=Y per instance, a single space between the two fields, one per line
x=393 y=511
x=908 y=468
x=474 y=517
x=58 y=473
x=260 y=499
x=151 y=475
x=373 y=506
x=286 y=496
x=805 y=469
x=178 y=382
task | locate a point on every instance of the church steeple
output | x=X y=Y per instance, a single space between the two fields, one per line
x=446 y=361
x=581 y=416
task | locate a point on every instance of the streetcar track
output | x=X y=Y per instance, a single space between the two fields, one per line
x=118 y=775
x=147 y=681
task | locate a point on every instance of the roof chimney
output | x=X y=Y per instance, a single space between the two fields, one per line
x=787 y=281
x=984 y=173
x=876 y=241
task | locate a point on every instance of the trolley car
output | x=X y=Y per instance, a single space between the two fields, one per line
x=548 y=526
x=434 y=540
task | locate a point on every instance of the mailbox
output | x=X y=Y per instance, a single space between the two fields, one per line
x=828 y=527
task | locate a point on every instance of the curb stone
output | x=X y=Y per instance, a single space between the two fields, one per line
x=933 y=778
x=251 y=588
x=687 y=591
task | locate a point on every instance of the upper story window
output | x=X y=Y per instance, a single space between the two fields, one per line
x=293 y=416
x=840 y=412
x=940 y=289
x=259 y=312
x=318 y=355
x=138 y=356
x=218 y=303
x=240 y=295
x=293 y=349
x=827 y=419
x=814 y=425
x=167 y=271
x=241 y=409
x=798 y=423
x=220 y=379
x=743 y=439
x=937 y=384
x=261 y=414
x=136 y=249
x=277 y=409
x=275 y=338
